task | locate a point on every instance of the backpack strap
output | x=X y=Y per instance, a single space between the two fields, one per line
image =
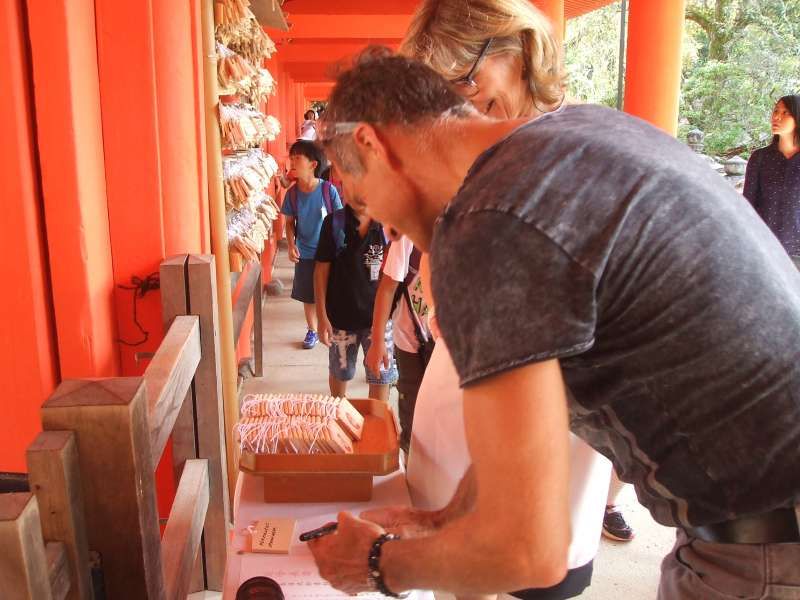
x=292 y=194
x=337 y=229
x=326 y=197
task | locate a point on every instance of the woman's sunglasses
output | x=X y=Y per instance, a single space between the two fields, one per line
x=466 y=85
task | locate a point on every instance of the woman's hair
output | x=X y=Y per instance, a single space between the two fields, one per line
x=448 y=35
x=310 y=114
x=792 y=104
x=312 y=152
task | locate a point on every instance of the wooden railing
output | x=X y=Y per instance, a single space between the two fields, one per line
x=91 y=470
x=249 y=288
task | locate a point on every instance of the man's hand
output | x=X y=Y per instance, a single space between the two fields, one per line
x=377 y=355
x=325 y=330
x=294 y=253
x=404 y=521
x=342 y=557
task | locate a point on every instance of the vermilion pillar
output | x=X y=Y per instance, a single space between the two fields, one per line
x=70 y=140
x=653 y=70
x=299 y=102
x=200 y=109
x=131 y=139
x=177 y=131
x=553 y=10
x=28 y=365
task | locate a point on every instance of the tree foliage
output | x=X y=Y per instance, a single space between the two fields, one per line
x=740 y=56
x=592 y=55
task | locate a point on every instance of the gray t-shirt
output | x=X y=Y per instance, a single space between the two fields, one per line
x=590 y=236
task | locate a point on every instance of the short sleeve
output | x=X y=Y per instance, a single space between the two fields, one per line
x=326 y=248
x=335 y=198
x=397 y=258
x=507 y=295
x=287 y=208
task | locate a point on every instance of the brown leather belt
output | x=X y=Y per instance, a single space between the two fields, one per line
x=780 y=526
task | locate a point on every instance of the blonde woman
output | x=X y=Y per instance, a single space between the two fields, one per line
x=501 y=55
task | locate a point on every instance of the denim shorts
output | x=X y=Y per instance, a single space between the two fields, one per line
x=303 y=285
x=343 y=353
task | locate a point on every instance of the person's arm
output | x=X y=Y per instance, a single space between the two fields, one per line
x=751 y=186
x=322 y=271
x=326 y=254
x=294 y=252
x=517 y=431
x=384 y=295
x=413 y=522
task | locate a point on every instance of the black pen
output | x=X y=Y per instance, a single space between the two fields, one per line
x=318 y=532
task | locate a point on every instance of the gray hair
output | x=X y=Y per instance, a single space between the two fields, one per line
x=384 y=89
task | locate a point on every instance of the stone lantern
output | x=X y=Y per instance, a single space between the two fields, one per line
x=695 y=140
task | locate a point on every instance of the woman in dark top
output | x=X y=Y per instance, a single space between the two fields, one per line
x=772 y=183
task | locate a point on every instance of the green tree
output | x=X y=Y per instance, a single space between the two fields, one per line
x=740 y=56
x=592 y=55
x=747 y=56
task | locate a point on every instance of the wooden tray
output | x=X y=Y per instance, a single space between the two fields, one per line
x=332 y=477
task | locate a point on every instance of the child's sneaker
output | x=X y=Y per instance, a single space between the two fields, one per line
x=311 y=339
x=615 y=527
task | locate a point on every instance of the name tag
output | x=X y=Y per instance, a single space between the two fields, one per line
x=374 y=271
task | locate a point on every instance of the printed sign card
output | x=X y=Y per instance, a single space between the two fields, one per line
x=273 y=535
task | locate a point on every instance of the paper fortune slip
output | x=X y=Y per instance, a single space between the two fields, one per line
x=273 y=535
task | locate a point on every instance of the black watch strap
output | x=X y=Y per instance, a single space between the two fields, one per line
x=374 y=565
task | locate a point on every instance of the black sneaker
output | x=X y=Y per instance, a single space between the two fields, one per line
x=615 y=527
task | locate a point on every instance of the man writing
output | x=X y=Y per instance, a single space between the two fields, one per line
x=648 y=287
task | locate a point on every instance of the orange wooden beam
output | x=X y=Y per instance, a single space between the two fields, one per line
x=28 y=361
x=318 y=91
x=361 y=26
x=653 y=70
x=331 y=52
x=350 y=7
x=553 y=10
x=70 y=140
x=576 y=8
x=311 y=71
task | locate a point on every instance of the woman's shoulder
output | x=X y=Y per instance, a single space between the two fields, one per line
x=758 y=156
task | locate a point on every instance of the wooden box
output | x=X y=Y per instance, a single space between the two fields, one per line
x=332 y=477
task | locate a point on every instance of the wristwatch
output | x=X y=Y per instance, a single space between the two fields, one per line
x=374 y=565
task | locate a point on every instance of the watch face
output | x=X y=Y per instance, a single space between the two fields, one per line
x=259 y=588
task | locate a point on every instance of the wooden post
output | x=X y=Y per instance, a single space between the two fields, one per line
x=23 y=570
x=219 y=242
x=184 y=529
x=54 y=477
x=58 y=570
x=258 y=325
x=109 y=418
x=175 y=302
x=213 y=428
